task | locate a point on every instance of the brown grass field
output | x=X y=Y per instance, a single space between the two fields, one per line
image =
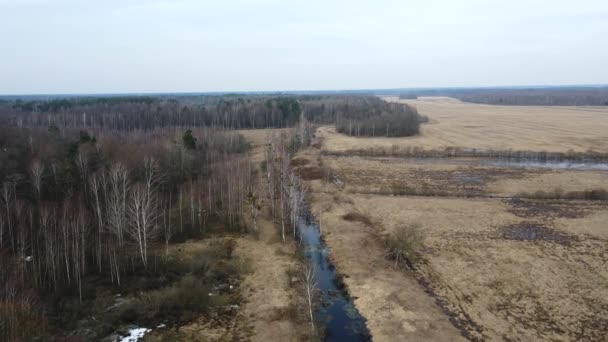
x=493 y=266
x=465 y=125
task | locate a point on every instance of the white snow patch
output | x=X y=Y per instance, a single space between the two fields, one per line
x=160 y=326
x=135 y=334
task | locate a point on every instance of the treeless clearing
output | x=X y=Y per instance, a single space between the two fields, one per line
x=499 y=268
x=457 y=124
x=517 y=289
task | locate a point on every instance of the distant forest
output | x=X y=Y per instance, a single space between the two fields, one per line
x=558 y=96
x=354 y=115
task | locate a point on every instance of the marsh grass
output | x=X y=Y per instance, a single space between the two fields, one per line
x=403 y=245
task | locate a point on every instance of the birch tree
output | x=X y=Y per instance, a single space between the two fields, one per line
x=143 y=210
x=310 y=287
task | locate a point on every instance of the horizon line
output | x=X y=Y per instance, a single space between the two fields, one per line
x=306 y=91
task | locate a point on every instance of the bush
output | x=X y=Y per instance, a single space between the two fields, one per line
x=189 y=141
x=179 y=302
x=404 y=243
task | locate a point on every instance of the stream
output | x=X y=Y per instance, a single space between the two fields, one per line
x=337 y=314
x=514 y=163
x=556 y=165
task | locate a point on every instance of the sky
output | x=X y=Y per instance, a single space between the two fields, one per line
x=138 y=46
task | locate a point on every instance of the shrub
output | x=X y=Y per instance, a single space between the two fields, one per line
x=179 y=302
x=21 y=315
x=189 y=141
x=404 y=243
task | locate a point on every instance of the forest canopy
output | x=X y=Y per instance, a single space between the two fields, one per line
x=225 y=112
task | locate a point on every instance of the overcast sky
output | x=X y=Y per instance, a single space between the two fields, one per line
x=111 y=46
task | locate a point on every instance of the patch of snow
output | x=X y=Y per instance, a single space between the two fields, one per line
x=160 y=326
x=135 y=334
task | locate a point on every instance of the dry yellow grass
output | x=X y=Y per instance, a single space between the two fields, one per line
x=395 y=306
x=569 y=180
x=523 y=290
x=550 y=285
x=465 y=125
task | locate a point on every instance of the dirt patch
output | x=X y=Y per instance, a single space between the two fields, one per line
x=309 y=173
x=299 y=162
x=318 y=144
x=357 y=217
x=530 y=231
x=546 y=209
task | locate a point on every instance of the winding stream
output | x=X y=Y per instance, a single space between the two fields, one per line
x=337 y=313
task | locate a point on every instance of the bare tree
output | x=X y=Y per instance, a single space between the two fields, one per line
x=143 y=210
x=116 y=212
x=252 y=201
x=119 y=185
x=82 y=161
x=167 y=225
x=96 y=186
x=1 y=230
x=7 y=192
x=295 y=193
x=310 y=287
x=36 y=172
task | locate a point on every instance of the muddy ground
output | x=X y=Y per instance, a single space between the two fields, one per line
x=465 y=178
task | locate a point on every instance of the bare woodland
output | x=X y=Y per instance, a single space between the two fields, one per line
x=100 y=189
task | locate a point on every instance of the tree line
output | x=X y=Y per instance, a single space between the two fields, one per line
x=226 y=112
x=395 y=120
x=547 y=96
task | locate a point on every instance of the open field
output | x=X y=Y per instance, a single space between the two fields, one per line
x=395 y=307
x=553 y=288
x=459 y=177
x=465 y=125
x=498 y=267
